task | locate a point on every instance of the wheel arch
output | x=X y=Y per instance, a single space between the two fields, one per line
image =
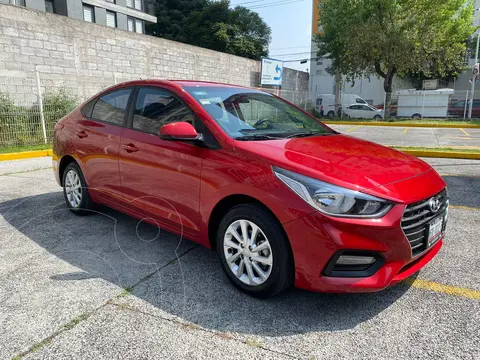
x=66 y=159
x=228 y=202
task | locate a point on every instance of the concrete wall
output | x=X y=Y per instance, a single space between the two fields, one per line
x=85 y=58
x=294 y=80
x=35 y=4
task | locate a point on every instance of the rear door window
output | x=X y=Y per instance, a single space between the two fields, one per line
x=111 y=107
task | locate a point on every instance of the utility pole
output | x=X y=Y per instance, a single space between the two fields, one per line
x=338 y=85
x=474 y=78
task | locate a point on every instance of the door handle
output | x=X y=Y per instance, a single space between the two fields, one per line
x=81 y=134
x=129 y=148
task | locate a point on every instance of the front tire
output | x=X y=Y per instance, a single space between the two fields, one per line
x=254 y=251
x=75 y=190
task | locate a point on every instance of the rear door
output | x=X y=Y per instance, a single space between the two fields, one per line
x=161 y=178
x=354 y=112
x=97 y=143
x=367 y=112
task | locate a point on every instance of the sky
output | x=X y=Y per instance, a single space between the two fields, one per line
x=291 y=24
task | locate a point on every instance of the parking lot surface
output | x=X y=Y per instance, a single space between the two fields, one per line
x=413 y=136
x=107 y=286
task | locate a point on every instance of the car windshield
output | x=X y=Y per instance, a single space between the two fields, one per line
x=254 y=115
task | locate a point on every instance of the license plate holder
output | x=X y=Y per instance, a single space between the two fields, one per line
x=435 y=228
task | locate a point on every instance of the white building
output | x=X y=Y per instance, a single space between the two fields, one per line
x=371 y=89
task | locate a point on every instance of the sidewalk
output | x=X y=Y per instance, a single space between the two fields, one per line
x=409 y=136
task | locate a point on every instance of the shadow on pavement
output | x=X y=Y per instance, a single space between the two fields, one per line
x=464 y=190
x=106 y=246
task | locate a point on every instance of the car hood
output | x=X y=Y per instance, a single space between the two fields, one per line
x=339 y=159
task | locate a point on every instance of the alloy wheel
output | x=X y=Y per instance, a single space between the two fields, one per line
x=73 y=188
x=247 y=252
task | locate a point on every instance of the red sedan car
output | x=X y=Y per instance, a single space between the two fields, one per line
x=283 y=199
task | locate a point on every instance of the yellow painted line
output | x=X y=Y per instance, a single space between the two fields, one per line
x=442 y=154
x=353 y=128
x=405 y=131
x=454 y=147
x=25 y=155
x=384 y=123
x=466 y=133
x=444 y=289
x=458 y=138
x=463 y=207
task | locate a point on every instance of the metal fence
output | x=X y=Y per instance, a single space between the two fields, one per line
x=29 y=107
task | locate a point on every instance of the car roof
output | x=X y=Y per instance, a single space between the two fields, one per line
x=181 y=83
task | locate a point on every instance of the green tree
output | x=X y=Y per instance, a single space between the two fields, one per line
x=213 y=25
x=395 y=37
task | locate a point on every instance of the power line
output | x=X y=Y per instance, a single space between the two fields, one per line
x=299 y=53
x=291 y=47
x=248 y=2
x=277 y=3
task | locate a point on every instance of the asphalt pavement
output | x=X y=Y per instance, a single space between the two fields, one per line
x=413 y=136
x=107 y=286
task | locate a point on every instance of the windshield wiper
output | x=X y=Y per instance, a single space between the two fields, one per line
x=305 y=134
x=255 y=137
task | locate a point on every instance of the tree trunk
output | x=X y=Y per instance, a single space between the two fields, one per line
x=338 y=85
x=387 y=86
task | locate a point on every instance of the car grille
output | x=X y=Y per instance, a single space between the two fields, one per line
x=416 y=218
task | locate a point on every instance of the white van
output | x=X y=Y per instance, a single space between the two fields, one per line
x=325 y=103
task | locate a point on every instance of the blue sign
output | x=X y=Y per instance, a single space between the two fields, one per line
x=272 y=72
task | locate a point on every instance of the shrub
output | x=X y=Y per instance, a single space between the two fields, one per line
x=21 y=125
x=56 y=105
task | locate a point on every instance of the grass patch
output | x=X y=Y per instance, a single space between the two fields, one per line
x=254 y=343
x=409 y=121
x=75 y=321
x=440 y=149
x=126 y=292
x=14 y=149
x=70 y=325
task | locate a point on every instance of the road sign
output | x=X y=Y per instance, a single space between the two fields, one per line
x=272 y=72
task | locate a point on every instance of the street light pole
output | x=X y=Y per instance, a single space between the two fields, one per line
x=472 y=95
x=472 y=91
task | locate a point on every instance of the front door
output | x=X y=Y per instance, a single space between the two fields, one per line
x=161 y=178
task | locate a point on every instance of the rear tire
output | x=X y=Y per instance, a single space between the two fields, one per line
x=75 y=190
x=416 y=116
x=267 y=268
x=331 y=114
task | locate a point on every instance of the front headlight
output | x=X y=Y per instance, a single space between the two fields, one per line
x=331 y=199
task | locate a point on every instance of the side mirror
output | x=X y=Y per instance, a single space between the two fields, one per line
x=182 y=131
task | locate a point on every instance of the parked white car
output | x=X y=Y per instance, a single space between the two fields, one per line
x=326 y=103
x=362 y=112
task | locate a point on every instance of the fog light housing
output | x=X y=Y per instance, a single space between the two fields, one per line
x=352 y=263
x=355 y=260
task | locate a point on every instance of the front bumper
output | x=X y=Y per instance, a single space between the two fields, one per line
x=316 y=238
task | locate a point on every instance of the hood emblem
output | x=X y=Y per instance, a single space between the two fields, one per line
x=434 y=204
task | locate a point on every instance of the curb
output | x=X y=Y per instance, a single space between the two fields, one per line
x=404 y=125
x=419 y=153
x=26 y=155
x=442 y=154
